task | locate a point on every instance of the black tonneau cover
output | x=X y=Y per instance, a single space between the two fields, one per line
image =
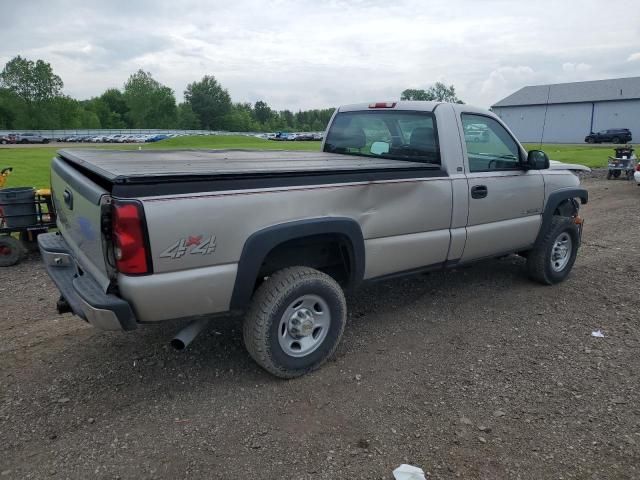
x=153 y=173
x=142 y=166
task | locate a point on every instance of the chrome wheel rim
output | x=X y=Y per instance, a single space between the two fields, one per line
x=561 y=252
x=304 y=325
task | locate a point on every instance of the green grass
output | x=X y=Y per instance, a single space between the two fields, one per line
x=589 y=155
x=31 y=165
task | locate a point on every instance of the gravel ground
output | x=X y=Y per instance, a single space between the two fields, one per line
x=472 y=373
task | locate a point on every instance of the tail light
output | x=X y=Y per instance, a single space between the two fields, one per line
x=382 y=105
x=130 y=242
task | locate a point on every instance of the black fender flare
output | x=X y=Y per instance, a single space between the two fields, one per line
x=554 y=200
x=260 y=243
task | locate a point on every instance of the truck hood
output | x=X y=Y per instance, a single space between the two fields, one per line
x=555 y=165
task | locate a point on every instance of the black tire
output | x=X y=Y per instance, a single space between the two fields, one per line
x=24 y=142
x=4 y=142
x=46 y=140
x=262 y=324
x=609 y=175
x=11 y=251
x=615 y=140
x=616 y=174
x=539 y=262
x=590 y=140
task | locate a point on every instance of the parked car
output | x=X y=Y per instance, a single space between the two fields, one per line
x=476 y=133
x=615 y=135
x=31 y=138
x=150 y=236
x=7 y=139
x=280 y=136
x=304 y=137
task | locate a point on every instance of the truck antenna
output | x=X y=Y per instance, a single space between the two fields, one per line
x=544 y=122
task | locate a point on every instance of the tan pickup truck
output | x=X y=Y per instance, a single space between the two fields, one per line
x=397 y=188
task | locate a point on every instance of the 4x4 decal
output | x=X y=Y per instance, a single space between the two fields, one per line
x=196 y=245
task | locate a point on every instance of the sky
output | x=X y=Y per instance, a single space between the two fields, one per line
x=318 y=54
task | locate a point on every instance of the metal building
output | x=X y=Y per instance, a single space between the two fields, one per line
x=567 y=112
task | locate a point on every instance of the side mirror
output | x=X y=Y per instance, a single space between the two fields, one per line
x=537 y=160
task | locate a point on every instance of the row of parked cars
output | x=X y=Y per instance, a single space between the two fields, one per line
x=112 y=138
x=117 y=138
x=297 y=137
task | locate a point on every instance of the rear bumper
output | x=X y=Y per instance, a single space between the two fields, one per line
x=83 y=294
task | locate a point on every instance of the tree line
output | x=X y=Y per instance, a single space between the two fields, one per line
x=31 y=98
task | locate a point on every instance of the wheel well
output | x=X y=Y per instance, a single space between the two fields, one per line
x=567 y=208
x=329 y=253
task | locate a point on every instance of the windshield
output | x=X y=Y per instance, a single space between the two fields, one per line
x=398 y=135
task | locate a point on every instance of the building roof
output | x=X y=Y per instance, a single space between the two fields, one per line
x=575 y=92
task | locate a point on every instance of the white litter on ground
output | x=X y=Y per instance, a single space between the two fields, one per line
x=408 y=472
x=597 y=334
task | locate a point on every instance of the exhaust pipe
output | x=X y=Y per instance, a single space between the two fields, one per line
x=185 y=336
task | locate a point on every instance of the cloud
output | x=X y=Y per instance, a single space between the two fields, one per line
x=314 y=54
x=505 y=80
x=634 y=57
x=570 y=67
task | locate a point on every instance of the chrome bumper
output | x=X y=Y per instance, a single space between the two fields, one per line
x=83 y=294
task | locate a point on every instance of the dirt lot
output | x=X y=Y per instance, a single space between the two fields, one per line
x=474 y=373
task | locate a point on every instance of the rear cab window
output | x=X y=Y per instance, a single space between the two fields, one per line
x=489 y=146
x=397 y=135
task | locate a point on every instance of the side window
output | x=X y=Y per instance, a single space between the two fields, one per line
x=489 y=146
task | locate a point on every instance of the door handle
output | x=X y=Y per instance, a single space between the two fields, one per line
x=479 y=191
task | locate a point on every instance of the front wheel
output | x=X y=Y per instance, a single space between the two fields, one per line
x=615 y=140
x=295 y=321
x=552 y=259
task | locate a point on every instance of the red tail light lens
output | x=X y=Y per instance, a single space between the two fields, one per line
x=129 y=238
x=382 y=105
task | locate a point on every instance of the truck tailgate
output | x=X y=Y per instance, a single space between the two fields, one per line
x=79 y=203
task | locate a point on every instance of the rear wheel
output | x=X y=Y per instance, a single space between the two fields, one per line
x=10 y=251
x=552 y=259
x=591 y=140
x=295 y=321
x=615 y=140
x=616 y=174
